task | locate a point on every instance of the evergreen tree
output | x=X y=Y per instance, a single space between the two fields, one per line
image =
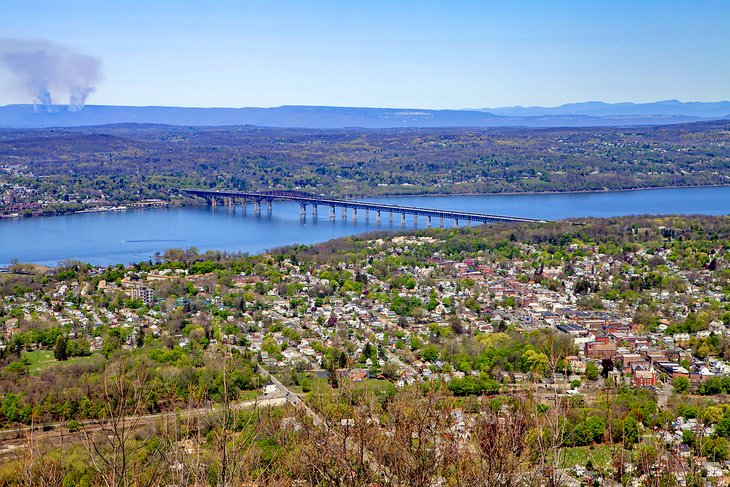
x=60 y=350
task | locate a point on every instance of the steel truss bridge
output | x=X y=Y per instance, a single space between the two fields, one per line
x=230 y=198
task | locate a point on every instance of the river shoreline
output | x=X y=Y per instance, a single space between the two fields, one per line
x=169 y=204
x=537 y=193
x=108 y=238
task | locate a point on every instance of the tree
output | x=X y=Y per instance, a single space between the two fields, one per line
x=591 y=370
x=429 y=353
x=115 y=439
x=60 y=350
x=680 y=384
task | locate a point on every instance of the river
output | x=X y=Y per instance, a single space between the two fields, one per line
x=134 y=235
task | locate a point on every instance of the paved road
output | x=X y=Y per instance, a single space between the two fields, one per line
x=663 y=396
x=296 y=401
x=397 y=361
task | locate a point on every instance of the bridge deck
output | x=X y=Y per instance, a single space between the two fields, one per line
x=306 y=199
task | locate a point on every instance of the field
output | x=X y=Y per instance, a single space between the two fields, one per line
x=600 y=456
x=307 y=382
x=40 y=360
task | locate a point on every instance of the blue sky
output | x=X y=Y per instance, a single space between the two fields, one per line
x=423 y=54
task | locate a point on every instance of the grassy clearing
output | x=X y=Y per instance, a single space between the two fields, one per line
x=318 y=383
x=40 y=360
x=599 y=455
x=380 y=386
x=249 y=395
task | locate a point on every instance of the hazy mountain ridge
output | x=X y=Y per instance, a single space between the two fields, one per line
x=324 y=117
x=720 y=109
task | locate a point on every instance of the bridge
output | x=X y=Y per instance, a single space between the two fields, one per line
x=229 y=198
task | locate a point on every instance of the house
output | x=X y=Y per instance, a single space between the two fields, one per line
x=600 y=350
x=644 y=378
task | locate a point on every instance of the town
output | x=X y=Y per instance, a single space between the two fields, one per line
x=566 y=313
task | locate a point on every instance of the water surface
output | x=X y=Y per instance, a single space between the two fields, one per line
x=134 y=235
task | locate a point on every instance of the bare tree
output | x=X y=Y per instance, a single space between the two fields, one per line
x=498 y=453
x=119 y=432
x=40 y=465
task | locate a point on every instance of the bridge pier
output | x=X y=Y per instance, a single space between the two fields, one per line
x=332 y=213
x=232 y=198
x=269 y=206
x=302 y=210
x=428 y=222
x=377 y=217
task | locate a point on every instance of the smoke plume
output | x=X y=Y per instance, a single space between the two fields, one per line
x=48 y=73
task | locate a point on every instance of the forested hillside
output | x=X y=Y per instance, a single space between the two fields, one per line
x=71 y=168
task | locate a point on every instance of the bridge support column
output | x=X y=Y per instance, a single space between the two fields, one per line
x=314 y=211
x=402 y=218
x=302 y=210
x=270 y=207
x=243 y=206
x=344 y=213
x=456 y=223
x=428 y=222
x=332 y=213
x=367 y=215
x=441 y=223
x=257 y=206
x=391 y=217
x=468 y=223
x=415 y=219
x=212 y=201
x=354 y=214
x=377 y=217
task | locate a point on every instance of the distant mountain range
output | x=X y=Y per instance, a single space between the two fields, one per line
x=572 y=115
x=719 y=109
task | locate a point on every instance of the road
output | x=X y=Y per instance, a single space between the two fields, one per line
x=398 y=362
x=380 y=470
x=663 y=396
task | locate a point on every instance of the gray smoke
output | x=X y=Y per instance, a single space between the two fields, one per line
x=49 y=73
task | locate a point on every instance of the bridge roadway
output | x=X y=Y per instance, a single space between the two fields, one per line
x=305 y=199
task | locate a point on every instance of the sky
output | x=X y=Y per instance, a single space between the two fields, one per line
x=385 y=53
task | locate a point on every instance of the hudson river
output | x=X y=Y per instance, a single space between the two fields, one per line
x=134 y=235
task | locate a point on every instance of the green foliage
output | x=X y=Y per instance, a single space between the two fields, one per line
x=715 y=385
x=680 y=384
x=60 y=349
x=592 y=371
x=588 y=431
x=470 y=385
x=429 y=353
